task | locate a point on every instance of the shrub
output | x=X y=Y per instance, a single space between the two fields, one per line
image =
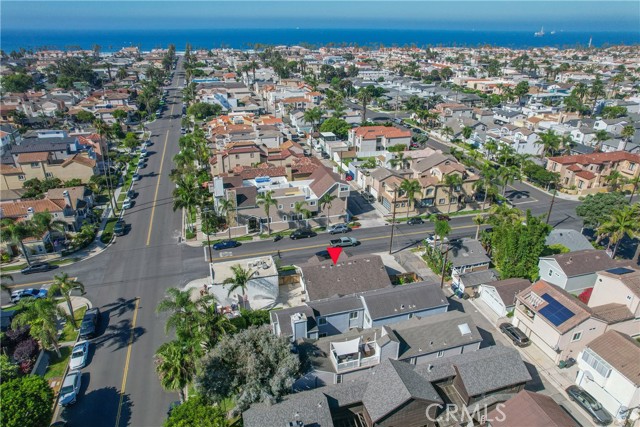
x=239 y=323
x=26 y=350
x=189 y=234
x=26 y=366
x=106 y=236
x=585 y=295
x=15 y=336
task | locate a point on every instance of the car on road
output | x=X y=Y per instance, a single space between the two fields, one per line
x=79 y=355
x=120 y=228
x=415 y=221
x=226 y=244
x=302 y=234
x=443 y=217
x=89 y=325
x=183 y=131
x=127 y=204
x=433 y=239
x=131 y=194
x=338 y=228
x=344 y=242
x=136 y=177
x=70 y=388
x=141 y=164
x=599 y=415
x=21 y=294
x=515 y=334
x=37 y=267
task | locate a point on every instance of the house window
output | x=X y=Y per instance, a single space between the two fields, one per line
x=313 y=203
x=632 y=166
x=284 y=217
x=251 y=155
x=292 y=205
x=580 y=184
x=35 y=164
x=339 y=379
x=353 y=315
x=441 y=201
x=21 y=177
x=48 y=175
x=367 y=319
x=441 y=354
x=322 y=321
x=576 y=336
x=555 y=165
x=322 y=335
x=237 y=156
x=280 y=206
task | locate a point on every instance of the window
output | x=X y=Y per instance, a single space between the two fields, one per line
x=251 y=155
x=280 y=206
x=48 y=175
x=237 y=156
x=322 y=321
x=313 y=203
x=441 y=201
x=284 y=217
x=35 y=164
x=339 y=379
x=597 y=363
x=21 y=177
x=440 y=353
x=576 y=336
x=580 y=184
x=367 y=319
x=632 y=166
x=555 y=166
x=353 y=315
x=322 y=335
x=292 y=205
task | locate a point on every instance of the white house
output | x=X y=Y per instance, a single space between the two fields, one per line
x=610 y=372
x=500 y=295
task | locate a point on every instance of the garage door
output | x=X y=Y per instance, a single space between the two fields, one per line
x=489 y=295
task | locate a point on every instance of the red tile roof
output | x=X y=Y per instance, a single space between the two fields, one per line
x=33 y=157
x=372 y=132
x=586 y=175
x=597 y=158
x=18 y=208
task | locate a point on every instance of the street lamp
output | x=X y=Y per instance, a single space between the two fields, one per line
x=393 y=217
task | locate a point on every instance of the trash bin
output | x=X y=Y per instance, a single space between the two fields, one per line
x=562 y=364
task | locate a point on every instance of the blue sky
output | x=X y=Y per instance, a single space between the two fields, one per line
x=418 y=14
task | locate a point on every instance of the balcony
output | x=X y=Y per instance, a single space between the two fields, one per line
x=354 y=354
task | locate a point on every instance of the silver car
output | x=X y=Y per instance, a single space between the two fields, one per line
x=338 y=228
x=79 y=355
x=70 y=388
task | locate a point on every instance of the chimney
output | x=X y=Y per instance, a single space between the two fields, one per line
x=67 y=198
x=287 y=168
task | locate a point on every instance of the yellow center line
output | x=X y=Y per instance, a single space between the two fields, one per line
x=324 y=245
x=126 y=363
x=155 y=196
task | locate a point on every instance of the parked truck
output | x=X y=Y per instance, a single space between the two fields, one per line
x=344 y=242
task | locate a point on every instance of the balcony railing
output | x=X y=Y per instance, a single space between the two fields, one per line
x=357 y=363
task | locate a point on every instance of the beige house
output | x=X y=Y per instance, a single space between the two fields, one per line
x=587 y=173
x=41 y=165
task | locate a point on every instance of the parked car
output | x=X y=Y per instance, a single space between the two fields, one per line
x=79 y=355
x=136 y=177
x=226 y=244
x=37 y=267
x=131 y=194
x=368 y=197
x=21 y=294
x=343 y=242
x=433 y=239
x=141 y=164
x=127 y=204
x=516 y=335
x=338 y=228
x=89 y=325
x=415 y=221
x=590 y=404
x=443 y=217
x=70 y=388
x=302 y=234
x=323 y=255
x=183 y=131
x=120 y=228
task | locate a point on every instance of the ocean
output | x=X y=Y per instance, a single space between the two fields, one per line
x=246 y=38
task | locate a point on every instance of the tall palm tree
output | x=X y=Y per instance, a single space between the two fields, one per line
x=104 y=131
x=410 y=187
x=240 y=280
x=486 y=182
x=183 y=313
x=364 y=95
x=623 y=222
x=300 y=211
x=266 y=200
x=401 y=160
x=447 y=132
x=313 y=116
x=452 y=181
x=176 y=365
x=507 y=175
x=614 y=180
x=601 y=136
x=43 y=221
x=42 y=317
x=635 y=182
x=550 y=143
x=14 y=232
x=64 y=284
x=478 y=220
x=226 y=206
x=213 y=325
x=326 y=202
x=187 y=196
x=490 y=147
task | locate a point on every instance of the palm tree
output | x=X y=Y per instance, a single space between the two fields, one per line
x=614 y=179
x=601 y=136
x=486 y=182
x=176 y=365
x=400 y=160
x=628 y=132
x=325 y=202
x=452 y=181
x=104 y=131
x=301 y=211
x=64 y=284
x=187 y=196
x=442 y=230
x=42 y=317
x=635 y=181
x=225 y=206
x=14 y=232
x=507 y=175
x=550 y=143
x=313 y=116
x=266 y=199
x=490 y=147
x=447 y=132
x=213 y=324
x=4 y=278
x=410 y=187
x=478 y=220
x=183 y=311
x=43 y=221
x=623 y=222
x=239 y=280
x=364 y=95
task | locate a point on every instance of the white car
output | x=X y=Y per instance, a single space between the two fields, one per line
x=70 y=388
x=433 y=240
x=127 y=204
x=79 y=355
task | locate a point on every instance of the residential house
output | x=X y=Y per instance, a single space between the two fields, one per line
x=340 y=358
x=77 y=202
x=400 y=394
x=570 y=239
x=370 y=140
x=500 y=295
x=529 y=409
x=575 y=271
x=587 y=172
x=610 y=372
x=470 y=282
x=613 y=126
x=467 y=255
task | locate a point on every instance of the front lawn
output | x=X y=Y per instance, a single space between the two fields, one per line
x=107 y=233
x=57 y=365
x=68 y=332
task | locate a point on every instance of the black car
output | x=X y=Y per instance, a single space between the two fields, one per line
x=120 y=228
x=89 y=325
x=590 y=404
x=37 y=267
x=516 y=335
x=132 y=194
x=443 y=217
x=415 y=221
x=302 y=234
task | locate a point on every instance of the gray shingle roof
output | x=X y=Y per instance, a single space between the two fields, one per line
x=311 y=407
x=572 y=239
x=407 y=298
x=585 y=262
x=336 y=305
x=480 y=277
x=467 y=252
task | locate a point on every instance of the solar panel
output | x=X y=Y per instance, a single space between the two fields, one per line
x=620 y=271
x=555 y=312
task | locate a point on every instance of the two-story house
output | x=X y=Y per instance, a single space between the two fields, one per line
x=369 y=140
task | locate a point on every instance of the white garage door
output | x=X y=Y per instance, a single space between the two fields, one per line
x=489 y=295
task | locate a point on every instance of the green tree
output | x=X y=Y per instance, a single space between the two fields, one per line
x=84 y=116
x=313 y=116
x=628 y=132
x=622 y=222
x=183 y=313
x=18 y=82
x=521 y=90
x=251 y=366
x=202 y=110
x=300 y=211
x=26 y=402
x=196 y=411
x=130 y=141
x=176 y=366
x=42 y=317
x=338 y=126
x=597 y=208
x=467 y=132
x=452 y=181
x=119 y=115
x=15 y=232
x=187 y=195
x=64 y=284
x=442 y=229
x=240 y=280
x=634 y=182
x=550 y=142
x=410 y=187
x=266 y=200
x=601 y=136
x=478 y=220
x=8 y=369
x=43 y=222
x=326 y=202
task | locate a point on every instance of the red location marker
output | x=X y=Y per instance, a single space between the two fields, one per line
x=334 y=253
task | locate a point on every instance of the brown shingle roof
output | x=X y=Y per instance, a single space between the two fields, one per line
x=33 y=157
x=612 y=313
x=10 y=170
x=323 y=179
x=528 y=409
x=584 y=262
x=509 y=288
x=80 y=159
x=18 y=208
x=621 y=352
x=597 y=158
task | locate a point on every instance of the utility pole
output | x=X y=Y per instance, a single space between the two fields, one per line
x=393 y=218
x=553 y=199
x=205 y=212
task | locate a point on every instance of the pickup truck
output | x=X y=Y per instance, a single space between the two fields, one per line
x=344 y=242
